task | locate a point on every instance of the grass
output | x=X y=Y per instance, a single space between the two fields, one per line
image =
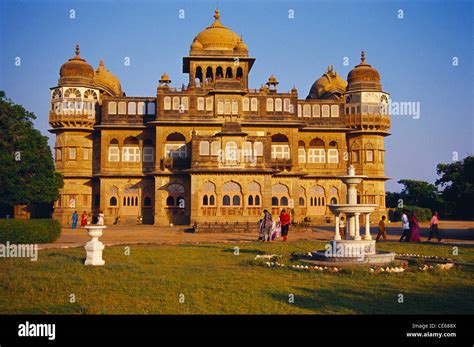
x=214 y=280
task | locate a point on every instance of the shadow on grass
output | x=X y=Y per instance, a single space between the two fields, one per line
x=69 y=257
x=346 y=301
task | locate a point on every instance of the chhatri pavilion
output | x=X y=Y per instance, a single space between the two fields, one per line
x=216 y=151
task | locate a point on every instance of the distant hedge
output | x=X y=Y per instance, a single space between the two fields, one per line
x=422 y=214
x=29 y=231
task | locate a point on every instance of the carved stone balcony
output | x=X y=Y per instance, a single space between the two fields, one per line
x=78 y=119
x=375 y=122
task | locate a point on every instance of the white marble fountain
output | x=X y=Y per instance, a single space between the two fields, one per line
x=353 y=248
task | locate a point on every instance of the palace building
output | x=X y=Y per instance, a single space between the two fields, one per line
x=215 y=151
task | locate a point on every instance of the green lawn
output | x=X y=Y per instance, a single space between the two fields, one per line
x=214 y=280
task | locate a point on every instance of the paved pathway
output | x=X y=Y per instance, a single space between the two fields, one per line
x=452 y=232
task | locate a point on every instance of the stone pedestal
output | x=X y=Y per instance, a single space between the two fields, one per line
x=94 y=247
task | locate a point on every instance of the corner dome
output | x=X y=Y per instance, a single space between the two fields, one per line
x=76 y=71
x=107 y=81
x=329 y=86
x=217 y=39
x=363 y=76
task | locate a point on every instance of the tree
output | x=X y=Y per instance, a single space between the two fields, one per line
x=26 y=164
x=419 y=193
x=457 y=179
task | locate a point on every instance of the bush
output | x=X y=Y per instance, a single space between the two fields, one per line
x=29 y=231
x=422 y=214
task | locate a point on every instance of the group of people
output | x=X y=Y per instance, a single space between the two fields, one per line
x=411 y=228
x=86 y=218
x=269 y=229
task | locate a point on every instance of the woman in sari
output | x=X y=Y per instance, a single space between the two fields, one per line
x=414 y=228
x=265 y=228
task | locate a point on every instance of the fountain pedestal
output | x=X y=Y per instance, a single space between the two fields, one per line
x=94 y=247
x=354 y=248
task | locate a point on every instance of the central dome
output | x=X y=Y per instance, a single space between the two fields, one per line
x=218 y=39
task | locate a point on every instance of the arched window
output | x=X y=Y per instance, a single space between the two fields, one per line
x=114 y=151
x=151 y=108
x=228 y=72
x=280 y=147
x=226 y=200
x=167 y=103
x=274 y=201
x=219 y=72
x=132 y=108
x=316 y=152
x=113 y=201
x=333 y=201
x=209 y=74
x=278 y=105
x=175 y=103
x=283 y=201
x=204 y=148
x=198 y=74
x=147 y=201
x=270 y=105
x=236 y=200
x=257 y=200
x=175 y=146
x=301 y=152
x=333 y=154
x=169 y=201
x=130 y=150
x=250 y=200
x=205 y=200
x=240 y=73
x=122 y=107
x=301 y=201
x=212 y=200
x=148 y=151
x=112 y=107
x=231 y=151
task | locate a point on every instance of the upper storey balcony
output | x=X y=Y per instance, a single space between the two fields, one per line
x=72 y=113
x=128 y=111
x=368 y=122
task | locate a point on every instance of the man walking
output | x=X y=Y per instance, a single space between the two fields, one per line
x=406 y=234
x=382 y=230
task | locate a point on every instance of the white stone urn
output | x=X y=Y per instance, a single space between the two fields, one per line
x=94 y=247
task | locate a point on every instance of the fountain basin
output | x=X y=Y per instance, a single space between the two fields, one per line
x=348 y=208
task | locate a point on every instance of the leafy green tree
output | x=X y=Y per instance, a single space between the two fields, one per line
x=420 y=193
x=457 y=179
x=26 y=164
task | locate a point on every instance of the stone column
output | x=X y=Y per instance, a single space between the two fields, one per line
x=357 y=227
x=337 y=236
x=351 y=227
x=367 y=237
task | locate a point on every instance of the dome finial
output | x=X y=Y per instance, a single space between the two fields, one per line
x=362 y=57
x=216 y=14
x=78 y=50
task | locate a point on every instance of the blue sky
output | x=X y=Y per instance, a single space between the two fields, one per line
x=414 y=56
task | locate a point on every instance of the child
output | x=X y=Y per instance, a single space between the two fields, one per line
x=382 y=230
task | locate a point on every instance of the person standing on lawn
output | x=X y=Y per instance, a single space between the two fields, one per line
x=382 y=230
x=406 y=236
x=265 y=227
x=75 y=218
x=285 y=224
x=434 y=227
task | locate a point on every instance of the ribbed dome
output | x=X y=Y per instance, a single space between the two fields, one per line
x=327 y=86
x=106 y=80
x=363 y=76
x=217 y=38
x=76 y=70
